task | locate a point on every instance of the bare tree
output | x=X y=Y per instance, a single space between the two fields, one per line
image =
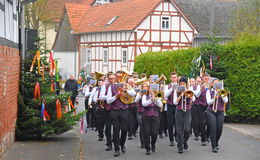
x=246 y=18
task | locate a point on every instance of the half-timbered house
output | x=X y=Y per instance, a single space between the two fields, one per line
x=110 y=36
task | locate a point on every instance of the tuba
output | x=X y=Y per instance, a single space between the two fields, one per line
x=125 y=98
x=98 y=75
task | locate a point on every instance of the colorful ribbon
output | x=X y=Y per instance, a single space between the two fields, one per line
x=43 y=72
x=56 y=71
x=58 y=109
x=38 y=57
x=52 y=87
x=44 y=113
x=52 y=65
x=71 y=106
x=37 y=91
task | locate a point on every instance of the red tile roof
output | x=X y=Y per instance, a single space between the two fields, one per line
x=75 y=13
x=130 y=14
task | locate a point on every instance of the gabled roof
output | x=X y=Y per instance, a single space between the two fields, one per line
x=75 y=14
x=130 y=14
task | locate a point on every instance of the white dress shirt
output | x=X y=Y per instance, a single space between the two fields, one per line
x=91 y=97
x=168 y=91
x=148 y=102
x=175 y=98
x=210 y=100
x=87 y=91
x=110 y=99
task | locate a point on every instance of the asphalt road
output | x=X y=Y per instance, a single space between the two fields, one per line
x=233 y=146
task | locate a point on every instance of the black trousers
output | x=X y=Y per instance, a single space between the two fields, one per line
x=195 y=119
x=139 y=116
x=73 y=99
x=163 y=123
x=183 y=123
x=108 y=124
x=100 y=122
x=171 y=121
x=215 y=121
x=120 y=123
x=151 y=129
x=199 y=121
x=132 y=121
x=88 y=112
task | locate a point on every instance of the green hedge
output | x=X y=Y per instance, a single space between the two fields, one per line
x=243 y=73
x=165 y=62
x=243 y=79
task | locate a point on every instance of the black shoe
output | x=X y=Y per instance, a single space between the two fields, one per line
x=208 y=139
x=116 y=154
x=100 y=139
x=214 y=150
x=217 y=147
x=185 y=146
x=142 y=146
x=204 y=143
x=109 y=148
x=196 y=138
x=172 y=143
x=153 y=148
x=123 y=149
x=180 y=150
x=161 y=136
x=130 y=138
x=148 y=152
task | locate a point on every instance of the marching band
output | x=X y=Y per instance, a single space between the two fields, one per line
x=119 y=103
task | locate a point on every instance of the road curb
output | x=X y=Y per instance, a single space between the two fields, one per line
x=242 y=131
x=77 y=148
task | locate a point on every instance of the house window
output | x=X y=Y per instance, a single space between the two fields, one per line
x=124 y=56
x=88 y=56
x=165 y=23
x=105 y=55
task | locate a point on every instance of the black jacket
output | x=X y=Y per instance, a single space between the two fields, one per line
x=71 y=85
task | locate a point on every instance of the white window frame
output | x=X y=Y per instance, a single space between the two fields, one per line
x=164 y=22
x=124 y=57
x=105 y=56
x=88 y=56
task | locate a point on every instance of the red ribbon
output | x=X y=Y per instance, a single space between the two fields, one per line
x=58 y=109
x=52 y=87
x=72 y=106
x=37 y=91
x=52 y=65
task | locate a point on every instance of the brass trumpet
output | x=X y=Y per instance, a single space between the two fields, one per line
x=223 y=93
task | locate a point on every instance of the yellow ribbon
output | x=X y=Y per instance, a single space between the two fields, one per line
x=38 y=57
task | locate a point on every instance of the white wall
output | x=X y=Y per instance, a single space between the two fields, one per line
x=9 y=26
x=66 y=63
x=109 y=40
